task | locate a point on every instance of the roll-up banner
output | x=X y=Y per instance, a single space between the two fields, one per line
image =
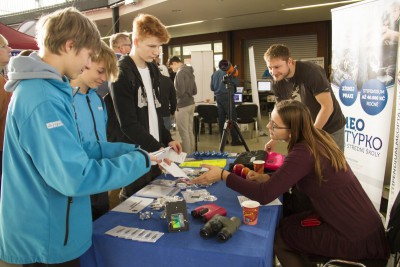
x=364 y=57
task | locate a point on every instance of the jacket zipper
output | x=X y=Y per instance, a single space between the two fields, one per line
x=67 y=221
x=94 y=121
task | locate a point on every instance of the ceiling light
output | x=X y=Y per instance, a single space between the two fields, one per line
x=184 y=24
x=319 y=5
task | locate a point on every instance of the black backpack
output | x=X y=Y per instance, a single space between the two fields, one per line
x=393 y=229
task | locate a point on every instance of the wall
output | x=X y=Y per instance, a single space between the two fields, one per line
x=233 y=41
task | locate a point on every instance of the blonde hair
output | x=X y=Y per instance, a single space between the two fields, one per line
x=3 y=39
x=107 y=56
x=296 y=116
x=145 y=25
x=55 y=29
x=115 y=38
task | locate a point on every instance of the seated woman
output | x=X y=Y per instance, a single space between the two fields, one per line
x=351 y=227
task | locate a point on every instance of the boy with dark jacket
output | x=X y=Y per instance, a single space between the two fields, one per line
x=136 y=97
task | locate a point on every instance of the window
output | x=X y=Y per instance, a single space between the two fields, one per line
x=184 y=52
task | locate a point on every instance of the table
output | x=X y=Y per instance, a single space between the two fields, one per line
x=249 y=246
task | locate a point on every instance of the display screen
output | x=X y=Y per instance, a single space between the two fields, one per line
x=177 y=220
x=264 y=86
x=238 y=98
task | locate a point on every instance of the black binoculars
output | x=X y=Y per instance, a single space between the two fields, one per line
x=222 y=226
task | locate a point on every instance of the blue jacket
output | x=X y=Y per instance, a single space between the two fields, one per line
x=217 y=83
x=91 y=116
x=49 y=173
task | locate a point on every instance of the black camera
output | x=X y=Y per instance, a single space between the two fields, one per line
x=222 y=226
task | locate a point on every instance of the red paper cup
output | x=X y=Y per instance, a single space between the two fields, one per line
x=250 y=212
x=258 y=166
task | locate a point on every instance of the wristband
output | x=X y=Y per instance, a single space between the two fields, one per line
x=222 y=172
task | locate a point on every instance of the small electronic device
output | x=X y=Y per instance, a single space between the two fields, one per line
x=264 y=86
x=238 y=98
x=177 y=217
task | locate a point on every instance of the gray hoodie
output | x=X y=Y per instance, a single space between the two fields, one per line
x=185 y=86
x=29 y=67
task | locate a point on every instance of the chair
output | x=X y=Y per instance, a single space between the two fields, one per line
x=327 y=262
x=247 y=113
x=207 y=114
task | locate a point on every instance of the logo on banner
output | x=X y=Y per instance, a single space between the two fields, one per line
x=373 y=97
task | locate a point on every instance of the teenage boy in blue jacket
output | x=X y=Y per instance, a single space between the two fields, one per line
x=49 y=171
x=91 y=113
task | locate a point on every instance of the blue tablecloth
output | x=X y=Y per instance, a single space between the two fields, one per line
x=249 y=246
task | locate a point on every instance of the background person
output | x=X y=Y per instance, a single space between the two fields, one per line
x=136 y=96
x=185 y=86
x=5 y=55
x=45 y=217
x=121 y=44
x=306 y=82
x=91 y=113
x=221 y=94
x=350 y=227
x=163 y=69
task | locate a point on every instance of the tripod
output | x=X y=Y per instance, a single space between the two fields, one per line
x=229 y=123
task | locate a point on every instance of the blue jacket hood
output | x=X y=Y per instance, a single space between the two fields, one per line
x=29 y=67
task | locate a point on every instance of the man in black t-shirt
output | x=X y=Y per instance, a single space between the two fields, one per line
x=305 y=82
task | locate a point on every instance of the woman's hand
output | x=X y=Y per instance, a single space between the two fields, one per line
x=257 y=177
x=211 y=176
x=269 y=146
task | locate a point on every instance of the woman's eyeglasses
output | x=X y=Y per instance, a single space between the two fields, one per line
x=276 y=127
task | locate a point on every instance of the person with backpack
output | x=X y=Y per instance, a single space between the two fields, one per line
x=343 y=223
x=91 y=113
x=136 y=97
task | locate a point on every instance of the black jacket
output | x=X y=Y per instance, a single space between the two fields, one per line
x=134 y=120
x=168 y=96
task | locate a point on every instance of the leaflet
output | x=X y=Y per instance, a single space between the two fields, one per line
x=170 y=154
x=133 y=204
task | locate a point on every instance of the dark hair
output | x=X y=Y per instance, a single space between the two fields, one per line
x=173 y=59
x=224 y=64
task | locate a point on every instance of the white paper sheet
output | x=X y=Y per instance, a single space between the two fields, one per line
x=133 y=204
x=156 y=191
x=174 y=170
x=170 y=154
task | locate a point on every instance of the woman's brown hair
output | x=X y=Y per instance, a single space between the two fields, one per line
x=296 y=116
